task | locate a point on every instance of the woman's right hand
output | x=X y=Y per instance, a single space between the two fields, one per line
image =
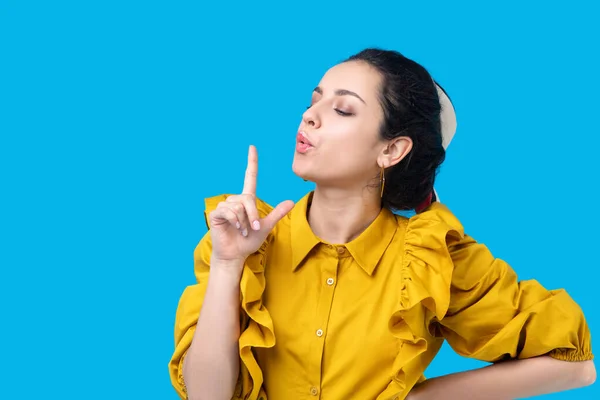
x=236 y=228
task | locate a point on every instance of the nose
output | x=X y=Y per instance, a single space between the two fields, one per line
x=311 y=117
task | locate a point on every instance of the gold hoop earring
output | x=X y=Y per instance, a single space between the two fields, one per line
x=382 y=180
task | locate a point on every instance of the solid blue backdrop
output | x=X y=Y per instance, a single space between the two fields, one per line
x=118 y=118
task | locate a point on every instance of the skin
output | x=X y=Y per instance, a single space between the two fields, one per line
x=345 y=163
x=343 y=125
x=516 y=379
x=211 y=366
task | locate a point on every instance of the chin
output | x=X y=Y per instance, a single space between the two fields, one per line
x=300 y=169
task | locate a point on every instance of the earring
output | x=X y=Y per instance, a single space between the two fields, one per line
x=382 y=180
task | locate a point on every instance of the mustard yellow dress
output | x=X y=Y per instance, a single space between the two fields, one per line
x=363 y=320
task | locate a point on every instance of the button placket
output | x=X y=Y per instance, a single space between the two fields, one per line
x=328 y=273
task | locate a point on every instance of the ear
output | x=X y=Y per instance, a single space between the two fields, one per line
x=395 y=151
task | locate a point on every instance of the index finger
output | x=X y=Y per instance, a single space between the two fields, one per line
x=251 y=172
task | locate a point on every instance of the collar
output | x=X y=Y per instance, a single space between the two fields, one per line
x=367 y=249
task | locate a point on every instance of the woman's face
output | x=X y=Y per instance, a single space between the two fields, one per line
x=342 y=126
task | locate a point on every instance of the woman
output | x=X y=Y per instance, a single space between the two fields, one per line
x=341 y=298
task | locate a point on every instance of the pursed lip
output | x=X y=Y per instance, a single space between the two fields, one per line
x=303 y=138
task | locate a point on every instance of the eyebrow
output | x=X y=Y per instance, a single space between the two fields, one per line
x=341 y=92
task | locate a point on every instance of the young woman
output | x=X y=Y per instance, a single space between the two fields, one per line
x=337 y=297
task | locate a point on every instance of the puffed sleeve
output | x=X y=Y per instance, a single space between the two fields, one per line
x=256 y=324
x=492 y=316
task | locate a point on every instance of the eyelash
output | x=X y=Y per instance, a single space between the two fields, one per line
x=342 y=113
x=337 y=110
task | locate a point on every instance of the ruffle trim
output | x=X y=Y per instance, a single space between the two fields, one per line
x=259 y=330
x=426 y=277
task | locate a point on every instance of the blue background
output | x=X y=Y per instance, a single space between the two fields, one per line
x=118 y=118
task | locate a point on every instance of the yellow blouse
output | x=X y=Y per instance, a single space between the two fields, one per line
x=364 y=319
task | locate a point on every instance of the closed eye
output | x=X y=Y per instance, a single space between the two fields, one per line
x=343 y=113
x=337 y=110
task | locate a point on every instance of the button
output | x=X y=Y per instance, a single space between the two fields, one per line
x=341 y=250
x=330 y=281
x=320 y=332
x=314 y=391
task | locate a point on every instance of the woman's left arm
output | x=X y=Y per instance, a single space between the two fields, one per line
x=509 y=380
x=538 y=339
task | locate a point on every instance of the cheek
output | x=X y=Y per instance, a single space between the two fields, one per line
x=355 y=139
x=354 y=153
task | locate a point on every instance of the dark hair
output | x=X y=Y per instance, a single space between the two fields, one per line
x=411 y=107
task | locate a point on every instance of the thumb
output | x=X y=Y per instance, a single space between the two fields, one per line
x=277 y=214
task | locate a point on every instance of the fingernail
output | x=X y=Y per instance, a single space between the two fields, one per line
x=237 y=225
x=256 y=225
x=245 y=232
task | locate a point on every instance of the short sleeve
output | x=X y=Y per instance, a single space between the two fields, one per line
x=256 y=324
x=493 y=316
x=186 y=317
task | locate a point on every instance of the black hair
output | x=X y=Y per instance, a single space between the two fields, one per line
x=411 y=107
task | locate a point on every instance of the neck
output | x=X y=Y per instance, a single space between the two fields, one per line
x=339 y=216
